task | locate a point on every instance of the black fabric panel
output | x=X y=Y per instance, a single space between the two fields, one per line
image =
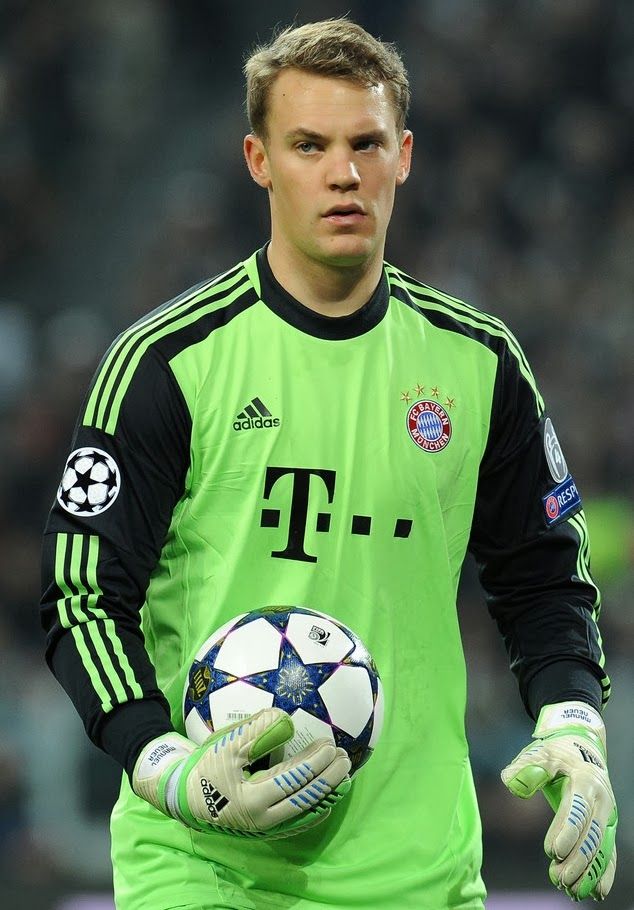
x=67 y=666
x=151 y=449
x=445 y=320
x=331 y=328
x=564 y=680
x=527 y=568
x=132 y=726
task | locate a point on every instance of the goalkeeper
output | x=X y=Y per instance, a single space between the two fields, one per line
x=316 y=427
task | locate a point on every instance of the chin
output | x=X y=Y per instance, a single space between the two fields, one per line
x=348 y=250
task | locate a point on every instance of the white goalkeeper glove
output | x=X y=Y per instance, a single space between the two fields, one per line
x=209 y=787
x=567 y=762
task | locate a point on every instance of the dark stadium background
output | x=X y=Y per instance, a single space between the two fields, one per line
x=122 y=183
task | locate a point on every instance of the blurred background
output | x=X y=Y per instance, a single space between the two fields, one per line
x=122 y=183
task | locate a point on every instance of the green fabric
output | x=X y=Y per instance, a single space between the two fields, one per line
x=159 y=864
x=408 y=835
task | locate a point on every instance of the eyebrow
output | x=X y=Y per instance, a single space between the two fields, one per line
x=302 y=133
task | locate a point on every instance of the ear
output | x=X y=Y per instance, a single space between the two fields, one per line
x=405 y=157
x=257 y=160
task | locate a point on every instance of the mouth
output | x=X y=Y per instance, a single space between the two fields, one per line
x=345 y=214
x=351 y=209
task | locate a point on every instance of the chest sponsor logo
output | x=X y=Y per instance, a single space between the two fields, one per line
x=256 y=416
x=300 y=489
x=429 y=426
x=561 y=500
x=554 y=456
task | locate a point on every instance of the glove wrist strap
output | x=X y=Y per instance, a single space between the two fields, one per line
x=151 y=772
x=567 y=715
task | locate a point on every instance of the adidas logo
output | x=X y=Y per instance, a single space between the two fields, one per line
x=214 y=800
x=255 y=416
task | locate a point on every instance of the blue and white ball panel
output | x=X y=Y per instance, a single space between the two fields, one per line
x=250 y=649
x=347 y=695
x=237 y=701
x=308 y=728
x=379 y=713
x=196 y=728
x=318 y=640
x=218 y=634
x=298 y=659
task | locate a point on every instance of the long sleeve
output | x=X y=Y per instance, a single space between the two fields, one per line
x=126 y=471
x=530 y=541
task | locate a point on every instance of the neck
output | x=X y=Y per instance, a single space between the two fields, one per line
x=331 y=290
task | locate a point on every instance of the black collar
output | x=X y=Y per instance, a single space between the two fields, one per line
x=333 y=328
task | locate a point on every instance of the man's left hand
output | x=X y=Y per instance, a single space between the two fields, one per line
x=567 y=762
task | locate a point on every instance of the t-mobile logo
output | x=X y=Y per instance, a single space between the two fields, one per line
x=302 y=481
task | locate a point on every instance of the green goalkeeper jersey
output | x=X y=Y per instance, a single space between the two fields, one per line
x=237 y=450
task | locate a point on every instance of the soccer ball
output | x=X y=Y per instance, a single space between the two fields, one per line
x=90 y=483
x=302 y=661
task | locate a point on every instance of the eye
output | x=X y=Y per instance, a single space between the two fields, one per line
x=367 y=145
x=306 y=147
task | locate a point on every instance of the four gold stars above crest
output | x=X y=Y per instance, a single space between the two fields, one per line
x=434 y=392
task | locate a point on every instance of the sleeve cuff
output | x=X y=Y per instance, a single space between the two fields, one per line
x=563 y=680
x=130 y=727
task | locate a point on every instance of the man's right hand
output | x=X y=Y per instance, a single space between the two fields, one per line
x=209 y=787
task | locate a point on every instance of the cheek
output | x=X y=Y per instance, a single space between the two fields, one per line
x=385 y=195
x=294 y=190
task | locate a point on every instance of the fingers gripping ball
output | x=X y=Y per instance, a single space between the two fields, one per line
x=567 y=762
x=209 y=787
x=306 y=663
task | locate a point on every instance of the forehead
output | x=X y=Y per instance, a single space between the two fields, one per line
x=324 y=103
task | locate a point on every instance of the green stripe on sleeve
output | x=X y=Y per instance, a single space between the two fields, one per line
x=122 y=657
x=142 y=347
x=87 y=594
x=470 y=316
x=114 y=363
x=60 y=581
x=106 y=662
x=78 y=610
x=91 y=670
x=578 y=522
x=123 y=339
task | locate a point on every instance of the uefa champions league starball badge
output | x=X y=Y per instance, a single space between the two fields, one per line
x=90 y=483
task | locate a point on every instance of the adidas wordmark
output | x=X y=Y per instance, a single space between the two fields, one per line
x=255 y=416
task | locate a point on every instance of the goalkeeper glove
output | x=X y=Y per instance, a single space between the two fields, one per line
x=209 y=787
x=567 y=762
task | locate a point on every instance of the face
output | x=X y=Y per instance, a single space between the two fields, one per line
x=331 y=162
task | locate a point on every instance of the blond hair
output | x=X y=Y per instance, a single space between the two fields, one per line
x=333 y=47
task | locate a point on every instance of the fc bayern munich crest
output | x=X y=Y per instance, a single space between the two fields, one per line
x=429 y=425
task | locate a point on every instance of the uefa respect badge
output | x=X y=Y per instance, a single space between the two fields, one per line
x=429 y=426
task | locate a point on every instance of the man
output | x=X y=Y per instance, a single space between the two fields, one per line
x=408 y=429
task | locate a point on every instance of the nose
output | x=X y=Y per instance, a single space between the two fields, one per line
x=343 y=173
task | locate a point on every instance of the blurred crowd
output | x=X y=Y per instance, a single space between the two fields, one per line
x=122 y=183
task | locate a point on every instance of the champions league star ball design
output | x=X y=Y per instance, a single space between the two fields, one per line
x=90 y=483
x=306 y=663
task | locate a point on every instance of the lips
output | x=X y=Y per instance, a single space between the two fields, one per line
x=343 y=210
